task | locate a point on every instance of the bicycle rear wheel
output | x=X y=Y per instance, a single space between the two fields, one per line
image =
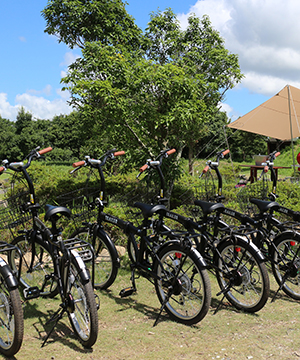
x=82 y=310
x=286 y=263
x=37 y=266
x=106 y=257
x=242 y=275
x=184 y=286
x=11 y=318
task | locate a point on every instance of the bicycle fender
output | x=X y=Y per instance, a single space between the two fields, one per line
x=8 y=275
x=253 y=246
x=80 y=266
x=192 y=250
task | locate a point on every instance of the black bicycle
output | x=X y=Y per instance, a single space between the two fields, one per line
x=49 y=265
x=237 y=264
x=278 y=241
x=175 y=267
x=11 y=311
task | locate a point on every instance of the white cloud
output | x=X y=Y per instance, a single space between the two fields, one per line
x=69 y=58
x=38 y=106
x=36 y=102
x=7 y=111
x=264 y=34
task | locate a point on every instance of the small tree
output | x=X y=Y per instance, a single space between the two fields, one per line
x=165 y=95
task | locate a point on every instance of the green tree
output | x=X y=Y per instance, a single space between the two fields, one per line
x=75 y=22
x=243 y=144
x=164 y=97
x=65 y=134
x=9 y=148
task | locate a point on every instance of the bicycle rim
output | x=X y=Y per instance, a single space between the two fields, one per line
x=242 y=277
x=286 y=266
x=11 y=320
x=190 y=297
x=83 y=311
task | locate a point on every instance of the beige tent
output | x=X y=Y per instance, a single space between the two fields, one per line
x=278 y=117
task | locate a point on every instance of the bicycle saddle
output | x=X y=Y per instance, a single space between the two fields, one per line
x=208 y=207
x=53 y=210
x=265 y=205
x=149 y=210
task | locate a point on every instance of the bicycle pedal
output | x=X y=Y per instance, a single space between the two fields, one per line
x=127 y=292
x=31 y=293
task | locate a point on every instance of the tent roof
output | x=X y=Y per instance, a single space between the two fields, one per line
x=272 y=118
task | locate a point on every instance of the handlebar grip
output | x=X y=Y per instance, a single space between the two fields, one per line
x=172 y=151
x=143 y=168
x=44 y=151
x=277 y=154
x=118 y=153
x=79 y=163
x=205 y=170
x=226 y=152
x=266 y=168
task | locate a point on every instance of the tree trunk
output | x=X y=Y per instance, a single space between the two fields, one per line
x=191 y=160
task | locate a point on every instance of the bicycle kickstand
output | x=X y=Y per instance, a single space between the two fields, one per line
x=55 y=317
x=285 y=276
x=162 y=307
x=131 y=289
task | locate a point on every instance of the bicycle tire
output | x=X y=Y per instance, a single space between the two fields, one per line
x=241 y=274
x=106 y=257
x=191 y=297
x=43 y=266
x=83 y=314
x=11 y=318
x=286 y=263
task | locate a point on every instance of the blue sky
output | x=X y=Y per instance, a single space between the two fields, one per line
x=264 y=34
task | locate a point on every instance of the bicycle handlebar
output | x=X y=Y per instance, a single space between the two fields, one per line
x=156 y=163
x=88 y=161
x=18 y=166
x=45 y=151
x=214 y=164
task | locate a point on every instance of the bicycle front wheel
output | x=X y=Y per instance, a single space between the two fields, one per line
x=106 y=257
x=286 y=263
x=183 y=286
x=242 y=275
x=11 y=319
x=82 y=310
x=37 y=266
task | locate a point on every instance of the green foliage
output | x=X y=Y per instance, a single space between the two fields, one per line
x=243 y=145
x=75 y=22
x=159 y=96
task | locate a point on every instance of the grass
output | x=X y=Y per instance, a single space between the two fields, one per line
x=126 y=330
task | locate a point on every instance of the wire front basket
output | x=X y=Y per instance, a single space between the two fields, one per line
x=81 y=202
x=13 y=214
x=256 y=190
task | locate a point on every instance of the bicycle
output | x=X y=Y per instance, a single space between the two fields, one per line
x=278 y=241
x=107 y=261
x=49 y=265
x=237 y=264
x=11 y=311
x=175 y=268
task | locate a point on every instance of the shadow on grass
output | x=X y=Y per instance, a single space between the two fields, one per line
x=131 y=303
x=62 y=331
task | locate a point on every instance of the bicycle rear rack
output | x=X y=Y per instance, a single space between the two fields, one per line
x=85 y=251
